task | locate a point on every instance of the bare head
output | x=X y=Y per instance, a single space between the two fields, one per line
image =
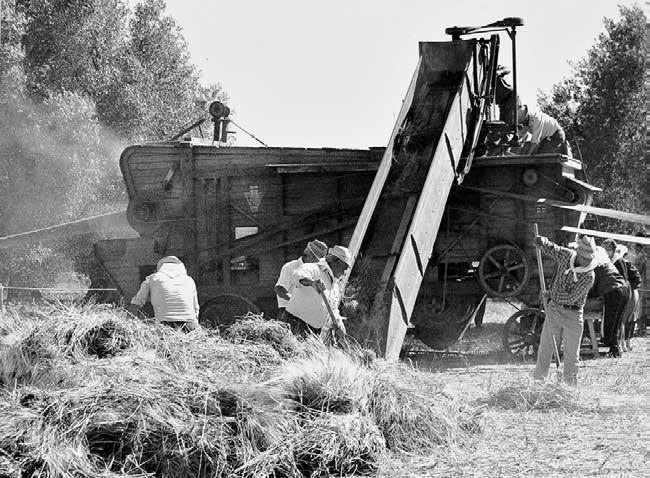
x=610 y=247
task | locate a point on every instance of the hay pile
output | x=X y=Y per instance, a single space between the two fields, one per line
x=254 y=329
x=534 y=395
x=94 y=392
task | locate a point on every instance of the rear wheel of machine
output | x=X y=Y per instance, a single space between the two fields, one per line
x=522 y=333
x=504 y=271
x=222 y=311
x=442 y=330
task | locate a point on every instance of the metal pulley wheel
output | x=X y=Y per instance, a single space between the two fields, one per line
x=504 y=271
x=441 y=330
x=222 y=311
x=522 y=333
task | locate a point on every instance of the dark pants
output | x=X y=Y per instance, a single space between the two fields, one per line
x=556 y=143
x=615 y=302
x=298 y=327
x=182 y=326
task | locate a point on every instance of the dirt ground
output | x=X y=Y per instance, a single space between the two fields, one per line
x=606 y=434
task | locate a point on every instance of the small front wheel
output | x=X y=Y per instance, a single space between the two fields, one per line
x=522 y=333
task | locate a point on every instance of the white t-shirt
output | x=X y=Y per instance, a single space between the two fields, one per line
x=541 y=125
x=287 y=279
x=306 y=303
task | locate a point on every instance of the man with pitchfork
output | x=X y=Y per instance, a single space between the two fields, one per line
x=564 y=304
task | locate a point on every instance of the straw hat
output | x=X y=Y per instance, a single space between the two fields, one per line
x=342 y=253
x=586 y=247
x=317 y=248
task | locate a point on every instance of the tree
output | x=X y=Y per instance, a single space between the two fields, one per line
x=80 y=79
x=138 y=72
x=602 y=107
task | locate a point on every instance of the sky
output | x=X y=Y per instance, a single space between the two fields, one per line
x=333 y=73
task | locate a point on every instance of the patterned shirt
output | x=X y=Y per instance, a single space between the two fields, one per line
x=564 y=290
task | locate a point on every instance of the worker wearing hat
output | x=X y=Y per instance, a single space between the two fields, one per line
x=542 y=133
x=307 y=304
x=314 y=251
x=564 y=304
x=172 y=294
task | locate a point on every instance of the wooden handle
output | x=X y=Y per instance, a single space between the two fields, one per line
x=540 y=265
x=333 y=318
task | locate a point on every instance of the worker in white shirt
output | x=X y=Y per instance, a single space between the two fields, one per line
x=172 y=294
x=287 y=281
x=543 y=133
x=307 y=304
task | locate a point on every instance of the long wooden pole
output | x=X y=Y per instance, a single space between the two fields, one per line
x=335 y=323
x=542 y=286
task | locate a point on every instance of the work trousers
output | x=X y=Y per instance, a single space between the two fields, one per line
x=298 y=327
x=556 y=143
x=565 y=325
x=631 y=313
x=615 y=302
x=640 y=316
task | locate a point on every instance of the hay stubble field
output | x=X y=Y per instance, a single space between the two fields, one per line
x=91 y=391
x=601 y=430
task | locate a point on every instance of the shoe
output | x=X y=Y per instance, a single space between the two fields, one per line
x=614 y=352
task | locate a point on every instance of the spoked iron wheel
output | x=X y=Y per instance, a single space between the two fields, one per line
x=222 y=311
x=522 y=333
x=504 y=271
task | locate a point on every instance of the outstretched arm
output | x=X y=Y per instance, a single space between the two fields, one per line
x=550 y=248
x=141 y=297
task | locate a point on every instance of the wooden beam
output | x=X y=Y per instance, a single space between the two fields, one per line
x=609 y=235
x=597 y=211
x=518 y=160
x=323 y=167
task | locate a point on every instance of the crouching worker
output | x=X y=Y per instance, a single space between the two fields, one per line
x=564 y=304
x=287 y=281
x=319 y=282
x=544 y=134
x=172 y=293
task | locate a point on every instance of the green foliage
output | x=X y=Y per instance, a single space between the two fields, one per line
x=602 y=107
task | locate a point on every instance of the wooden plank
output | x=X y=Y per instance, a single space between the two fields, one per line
x=382 y=173
x=597 y=211
x=399 y=239
x=519 y=160
x=582 y=184
x=609 y=235
x=294 y=168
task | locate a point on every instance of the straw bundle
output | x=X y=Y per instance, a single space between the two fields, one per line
x=94 y=392
x=412 y=421
x=326 y=381
x=139 y=417
x=534 y=395
x=339 y=445
x=257 y=330
x=25 y=352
